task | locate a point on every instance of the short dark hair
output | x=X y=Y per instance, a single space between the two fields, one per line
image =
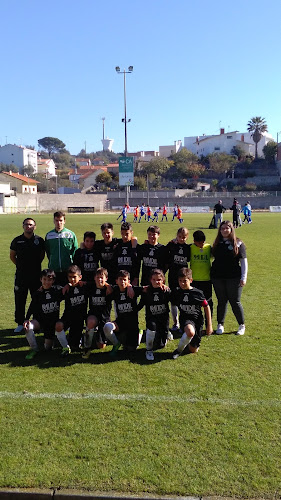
x=126 y=226
x=154 y=229
x=48 y=272
x=158 y=272
x=199 y=236
x=74 y=269
x=123 y=273
x=29 y=218
x=59 y=214
x=185 y=272
x=106 y=225
x=101 y=270
x=89 y=234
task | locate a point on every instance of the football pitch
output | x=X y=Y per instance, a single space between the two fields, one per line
x=204 y=424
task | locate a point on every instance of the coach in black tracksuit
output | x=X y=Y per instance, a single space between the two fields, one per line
x=27 y=252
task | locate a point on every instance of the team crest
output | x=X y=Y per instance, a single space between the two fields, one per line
x=181 y=251
x=151 y=253
x=185 y=299
x=76 y=291
x=98 y=291
x=48 y=296
x=124 y=251
x=122 y=296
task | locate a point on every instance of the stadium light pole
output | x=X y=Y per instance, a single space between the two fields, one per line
x=124 y=120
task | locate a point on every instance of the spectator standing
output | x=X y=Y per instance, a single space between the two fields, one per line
x=219 y=209
x=27 y=251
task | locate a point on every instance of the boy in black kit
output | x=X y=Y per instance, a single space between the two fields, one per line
x=87 y=258
x=125 y=253
x=125 y=329
x=156 y=300
x=45 y=310
x=152 y=255
x=99 y=312
x=190 y=301
x=76 y=300
x=178 y=256
x=105 y=250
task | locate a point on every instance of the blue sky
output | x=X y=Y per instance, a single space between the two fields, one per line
x=197 y=66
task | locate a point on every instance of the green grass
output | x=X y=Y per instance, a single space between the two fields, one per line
x=205 y=424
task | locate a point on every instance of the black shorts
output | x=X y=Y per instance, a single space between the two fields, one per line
x=196 y=339
x=205 y=286
x=128 y=333
x=161 y=327
x=47 y=327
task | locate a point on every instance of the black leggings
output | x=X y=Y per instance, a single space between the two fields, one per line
x=229 y=290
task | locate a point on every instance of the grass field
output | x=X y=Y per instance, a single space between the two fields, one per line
x=205 y=424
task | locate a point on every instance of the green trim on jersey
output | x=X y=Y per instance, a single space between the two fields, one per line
x=200 y=262
x=60 y=249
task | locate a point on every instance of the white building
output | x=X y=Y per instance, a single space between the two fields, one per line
x=20 y=156
x=224 y=142
x=46 y=167
x=19 y=183
x=166 y=151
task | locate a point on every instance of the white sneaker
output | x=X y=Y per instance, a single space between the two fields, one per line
x=19 y=329
x=149 y=355
x=220 y=329
x=241 y=330
x=170 y=336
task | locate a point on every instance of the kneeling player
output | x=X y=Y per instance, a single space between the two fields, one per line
x=44 y=308
x=190 y=300
x=156 y=298
x=125 y=329
x=99 y=312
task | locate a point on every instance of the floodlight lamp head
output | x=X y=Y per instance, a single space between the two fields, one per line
x=117 y=68
x=130 y=68
x=123 y=119
x=129 y=120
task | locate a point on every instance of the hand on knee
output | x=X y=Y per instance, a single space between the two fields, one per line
x=59 y=327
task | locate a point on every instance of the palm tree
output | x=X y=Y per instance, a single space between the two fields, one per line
x=257 y=125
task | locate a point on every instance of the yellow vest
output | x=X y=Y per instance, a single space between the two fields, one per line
x=200 y=262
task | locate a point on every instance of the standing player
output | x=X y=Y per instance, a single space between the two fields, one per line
x=200 y=264
x=156 y=214
x=136 y=213
x=86 y=258
x=142 y=212
x=151 y=254
x=164 y=213
x=125 y=329
x=45 y=309
x=61 y=245
x=190 y=300
x=105 y=250
x=179 y=216
x=178 y=257
x=125 y=253
x=156 y=301
x=148 y=213
x=27 y=251
x=175 y=212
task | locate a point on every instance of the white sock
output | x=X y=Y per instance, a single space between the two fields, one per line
x=150 y=336
x=88 y=338
x=31 y=339
x=109 y=333
x=62 y=338
x=184 y=341
x=175 y=314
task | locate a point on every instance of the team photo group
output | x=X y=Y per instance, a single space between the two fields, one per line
x=91 y=293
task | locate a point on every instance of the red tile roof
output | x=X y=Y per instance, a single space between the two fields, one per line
x=22 y=178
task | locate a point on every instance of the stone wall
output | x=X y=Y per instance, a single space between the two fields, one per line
x=52 y=202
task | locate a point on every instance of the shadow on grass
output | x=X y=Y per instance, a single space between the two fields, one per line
x=13 y=354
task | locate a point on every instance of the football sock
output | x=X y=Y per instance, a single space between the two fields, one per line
x=184 y=341
x=150 y=336
x=175 y=314
x=31 y=339
x=109 y=333
x=62 y=338
x=88 y=338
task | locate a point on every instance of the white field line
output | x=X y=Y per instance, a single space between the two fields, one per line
x=136 y=397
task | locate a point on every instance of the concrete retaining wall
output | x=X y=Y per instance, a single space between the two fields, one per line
x=52 y=202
